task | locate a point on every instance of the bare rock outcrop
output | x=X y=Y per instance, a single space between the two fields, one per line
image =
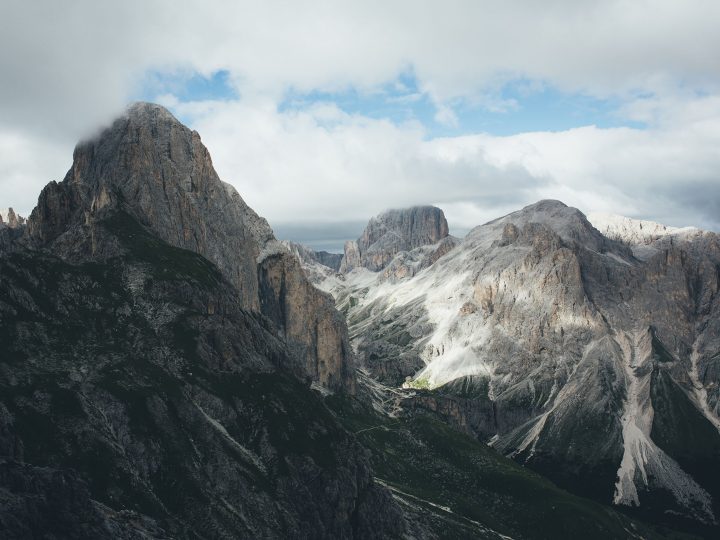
x=408 y=263
x=308 y=319
x=634 y=231
x=306 y=254
x=158 y=170
x=394 y=231
x=12 y=226
x=351 y=258
x=593 y=360
x=9 y=218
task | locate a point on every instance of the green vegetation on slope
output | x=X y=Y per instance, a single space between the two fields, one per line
x=429 y=461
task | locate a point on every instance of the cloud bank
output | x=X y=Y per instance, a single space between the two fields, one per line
x=69 y=67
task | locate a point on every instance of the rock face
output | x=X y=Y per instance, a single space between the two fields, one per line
x=140 y=399
x=9 y=218
x=590 y=360
x=351 y=258
x=309 y=315
x=406 y=264
x=159 y=171
x=392 y=232
x=11 y=227
x=634 y=232
x=305 y=254
x=157 y=350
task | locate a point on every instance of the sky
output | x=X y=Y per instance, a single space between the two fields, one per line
x=324 y=113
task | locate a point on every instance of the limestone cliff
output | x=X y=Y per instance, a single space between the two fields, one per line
x=593 y=360
x=12 y=226
x=158 y=170
x=9 y=218
x=305 y=254
x=394 y=231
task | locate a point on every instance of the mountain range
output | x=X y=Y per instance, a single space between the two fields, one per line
x=170 y=369
x=589 y=354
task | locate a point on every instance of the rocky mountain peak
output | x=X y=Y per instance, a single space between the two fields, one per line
x=393 y=231
x=634 y=231
x=9 y=218
x=151 y=166
x=538 y=222
x=152 y=112
x=161 y=173
x=537 y=327
x=555 y=214
x=11 y=226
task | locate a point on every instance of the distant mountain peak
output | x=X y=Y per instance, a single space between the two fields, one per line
x=634 y=231
x=547 y=217
x=546 y=205
x=393 y=231
x=9 y=218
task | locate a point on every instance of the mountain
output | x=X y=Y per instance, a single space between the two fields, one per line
x=592 y=359
x=158 y=348
x=391 y=232
x=317 y=265
x=635 y=232
x=160 y=173
x=169 y=371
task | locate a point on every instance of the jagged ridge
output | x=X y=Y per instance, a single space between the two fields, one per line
x=158 y=170
x=523 y=330
x=391 y=232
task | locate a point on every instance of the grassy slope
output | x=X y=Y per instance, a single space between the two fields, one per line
x=428 y=461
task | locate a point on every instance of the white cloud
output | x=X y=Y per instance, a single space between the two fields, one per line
x=295 y=166
x=81 y=59
x=70 y=66
x=446 y=116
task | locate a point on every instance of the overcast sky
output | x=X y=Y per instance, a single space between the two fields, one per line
x=325 y=113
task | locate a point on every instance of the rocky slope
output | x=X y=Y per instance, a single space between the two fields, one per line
x=590 y=360
x=168 y=372
x=140 y=399
x=634 y=232
x=449 y=482
x=159 y=171
x=158 y=346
